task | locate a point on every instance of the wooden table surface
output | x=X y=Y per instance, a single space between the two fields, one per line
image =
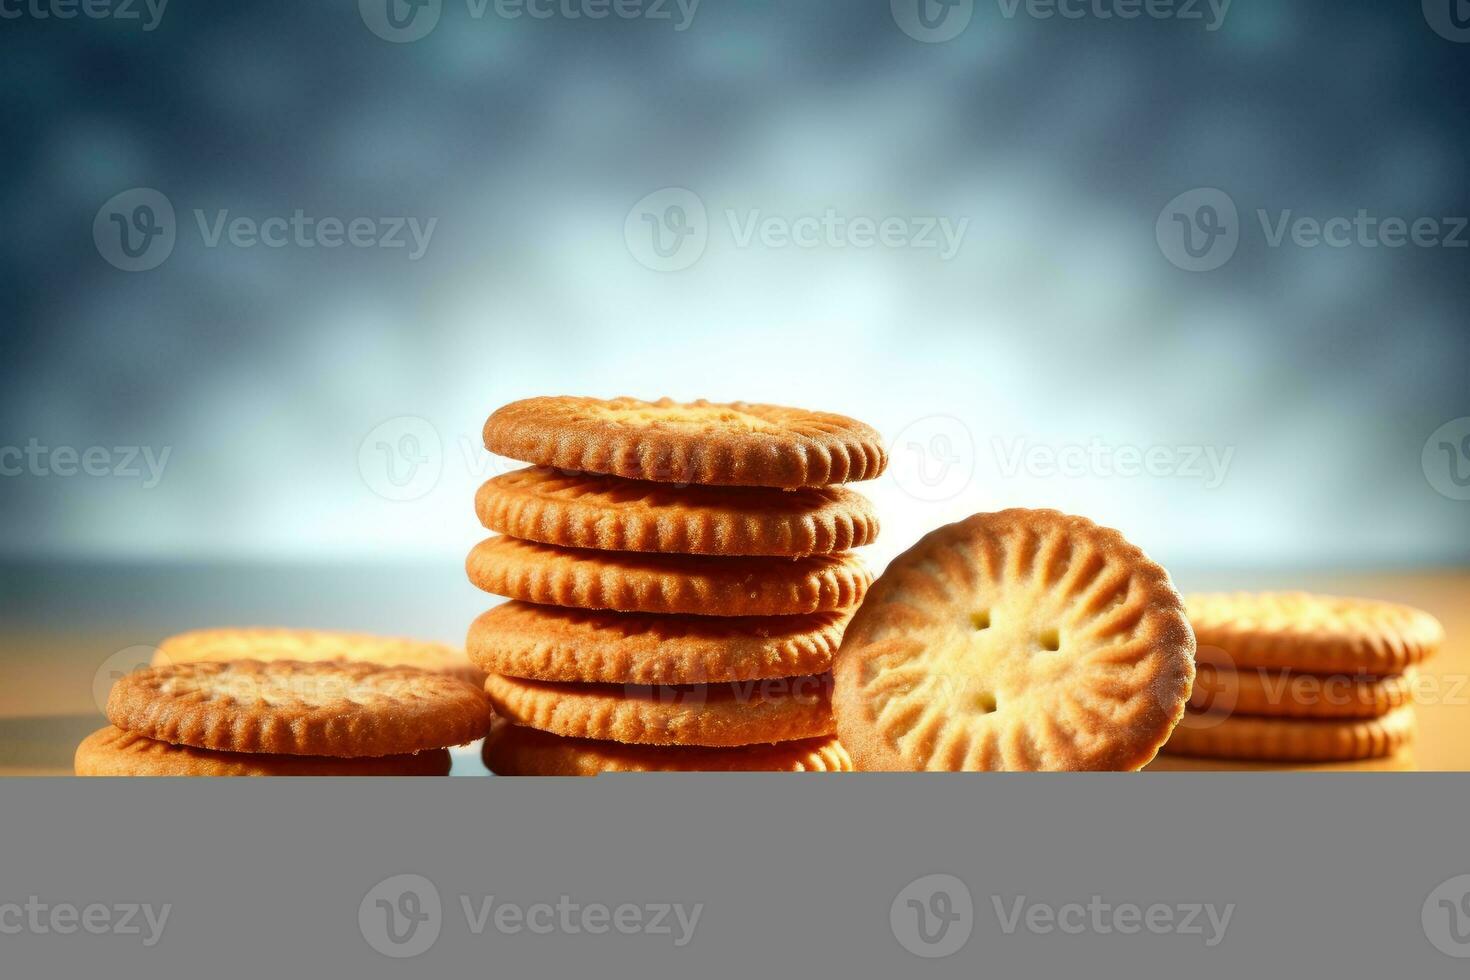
x=47 y=701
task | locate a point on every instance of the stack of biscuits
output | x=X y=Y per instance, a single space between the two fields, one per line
x=679 y=577
x=1296 y=677
x=200 y=712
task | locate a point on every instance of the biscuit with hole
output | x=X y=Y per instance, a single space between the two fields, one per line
x=1024 y=639
x=551 y=643
x=288 y=707
x=1293 y=694
x=736 y=444
x=275 y=643
x=114 y=752
x=613 y=514
x=629 y=581
x=513 y=750
x=1316 y=633
x=715 y=715
x=1292 y=739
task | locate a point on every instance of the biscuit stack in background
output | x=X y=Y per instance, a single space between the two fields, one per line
x=198 y=712
x=1295 y=677
x=679 y=576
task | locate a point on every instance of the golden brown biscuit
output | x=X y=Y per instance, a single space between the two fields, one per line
x=742 y=713
x=635 y=582
x=1293 y=694
x=1025 y=639
x=1317 y=633
x=550 y=643
x=1292 y=739
x=513 y=750
x=114 y=752
x=738 y=444
x=273 y=643
x=613 y=514
x=288 y=707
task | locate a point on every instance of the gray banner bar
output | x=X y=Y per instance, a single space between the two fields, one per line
x=1199 y=875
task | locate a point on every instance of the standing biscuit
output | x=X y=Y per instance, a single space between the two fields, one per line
x=738 y=444
x=1025 y=639
x=288 y=707
x=613 y=514
x=1317 y=633
x=635 y=582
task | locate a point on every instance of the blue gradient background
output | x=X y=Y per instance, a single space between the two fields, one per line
x=1059 y=321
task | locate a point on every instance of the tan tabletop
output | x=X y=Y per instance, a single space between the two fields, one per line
x=47 y=703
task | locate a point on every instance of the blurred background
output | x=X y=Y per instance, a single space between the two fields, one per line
x=267 y=266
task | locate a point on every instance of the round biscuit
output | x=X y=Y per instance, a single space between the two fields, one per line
x=629 y=581
x=1292 y=739
x=513 y=750
x=1318 y=633
x=714 y=715
x=1024 y=639
x=286 y=707
x=113 y=752
x=552 y=643
x=735 y=444
x=614 y=514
